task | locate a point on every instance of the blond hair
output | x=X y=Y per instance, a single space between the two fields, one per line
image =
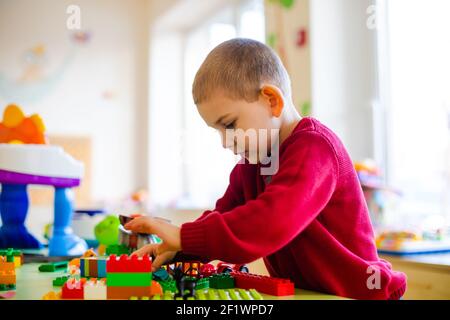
x=239 y=67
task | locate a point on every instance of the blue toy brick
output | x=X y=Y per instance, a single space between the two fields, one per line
x=82 y=271
x=101 y=265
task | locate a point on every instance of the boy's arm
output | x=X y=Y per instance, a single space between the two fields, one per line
x=299 y=191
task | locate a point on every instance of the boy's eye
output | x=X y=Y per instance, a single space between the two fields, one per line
x=230 y=125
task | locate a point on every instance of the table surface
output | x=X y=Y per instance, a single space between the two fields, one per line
x=32 y=285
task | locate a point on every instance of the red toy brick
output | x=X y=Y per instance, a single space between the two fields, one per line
x=263 y=284
x=73 y=289
x=128 y=264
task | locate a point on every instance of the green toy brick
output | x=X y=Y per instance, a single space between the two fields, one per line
x=200 y=295
x=7 y=287
x=54 y=266
x=133 y=279
x=211 y=295
x=118 y=249
x=255 y=294
x=168 y=285
x=222 y=294
x=221 y=281
x=244 y=294
x=59 y=281
x=202 y=284
x=233 y=295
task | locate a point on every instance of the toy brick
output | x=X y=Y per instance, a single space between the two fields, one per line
x=73 y=289
x=117 y=249
x=134 y=279
x=83 y=272
x=128 y=264
x=155 y=288
x=168 y=285
x=255 y=294
x=127 y=292
x=221 y=281
x=54 y=266
x=101 y=267
x=59 y=281
x=263 y=284
x=6 y=266
x=8 y=277
x=95 y=290
x=93 y=267
x=7 y=287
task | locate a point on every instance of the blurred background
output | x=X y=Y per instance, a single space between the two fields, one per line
x=112 y=81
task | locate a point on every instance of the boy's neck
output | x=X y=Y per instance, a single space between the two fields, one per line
x=290 y=121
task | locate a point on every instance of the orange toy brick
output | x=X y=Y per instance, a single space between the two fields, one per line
x=156 y=289
x=128 y=264
x=8 y=277
x=127 y=292
x=17 y=128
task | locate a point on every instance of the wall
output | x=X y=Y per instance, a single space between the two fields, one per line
x=97 y=89
x=343 y=71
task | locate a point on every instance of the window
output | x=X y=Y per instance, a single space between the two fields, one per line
x=199 y=173
x=416 y=89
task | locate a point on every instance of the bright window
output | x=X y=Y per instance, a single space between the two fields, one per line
x=200 y=174
x=418 y=111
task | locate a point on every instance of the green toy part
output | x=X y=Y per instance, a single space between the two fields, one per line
x=107 y=231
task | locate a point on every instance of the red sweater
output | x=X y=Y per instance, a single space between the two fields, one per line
x=310 y=223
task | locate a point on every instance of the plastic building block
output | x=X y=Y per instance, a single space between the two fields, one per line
x=161 y=274
x=117 y=249
x=202 y=283
x=8 y=277
x=12 y=255
x=7 y=287
x=264 y=284
x=73 y=289
x=127 y=292
x=255 y=294
x=133 y=279
x=54 y=266
x=52 y=295
x=221 y=281
x=156 y=288
x=168 y=285
x=60 y=281
x=128 y=264
x=95 y=290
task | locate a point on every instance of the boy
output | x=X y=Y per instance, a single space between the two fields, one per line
x=308 y=219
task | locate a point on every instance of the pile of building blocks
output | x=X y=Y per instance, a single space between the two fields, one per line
x=264 y=284
x=7 y=274
x=130 y=277
x=12 y=255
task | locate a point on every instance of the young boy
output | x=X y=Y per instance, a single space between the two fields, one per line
x=308 y=220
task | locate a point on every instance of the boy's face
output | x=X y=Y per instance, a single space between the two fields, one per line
x=253 y=118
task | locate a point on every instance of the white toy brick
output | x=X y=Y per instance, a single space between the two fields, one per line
x=95 y=290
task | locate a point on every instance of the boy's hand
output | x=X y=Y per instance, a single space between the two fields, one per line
x=160 y=259
x=169 y=234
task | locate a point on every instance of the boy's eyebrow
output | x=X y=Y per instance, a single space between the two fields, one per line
x=221 y=118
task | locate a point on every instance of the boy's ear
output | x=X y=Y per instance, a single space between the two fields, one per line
x=274 y=96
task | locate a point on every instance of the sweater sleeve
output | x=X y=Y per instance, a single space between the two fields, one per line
x=301 y=188
x=232 y=195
